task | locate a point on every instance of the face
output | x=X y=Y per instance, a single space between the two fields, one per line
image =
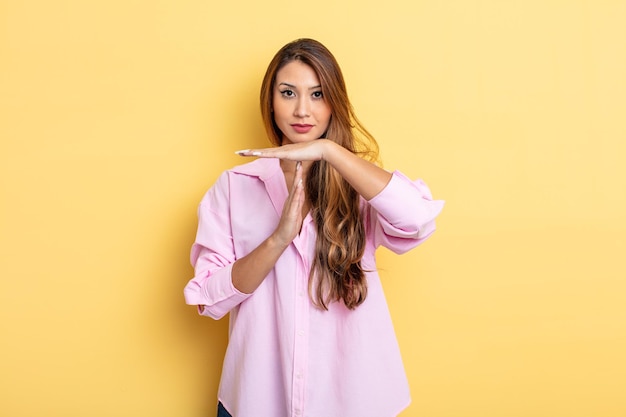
x=300 y=110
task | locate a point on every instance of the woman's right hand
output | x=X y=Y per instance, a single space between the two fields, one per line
x=248 y=272
x=291 y=217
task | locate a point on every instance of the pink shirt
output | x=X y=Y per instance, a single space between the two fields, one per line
x=286 y=357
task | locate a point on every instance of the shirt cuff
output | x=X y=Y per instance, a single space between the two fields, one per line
x=215 y=295
x=406 y=204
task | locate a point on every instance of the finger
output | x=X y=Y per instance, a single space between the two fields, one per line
x=297 y=188
x=294 y=185
x=298 y=175
x=263 y=153
x=297 y=198
x=248 y=152
x=281 y=152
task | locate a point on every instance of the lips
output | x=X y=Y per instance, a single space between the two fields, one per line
x=301 y=128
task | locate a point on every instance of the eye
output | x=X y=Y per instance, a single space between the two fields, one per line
x=287 y=93
x=318 y=95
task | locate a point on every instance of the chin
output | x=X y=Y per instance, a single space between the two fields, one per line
x=299 y=139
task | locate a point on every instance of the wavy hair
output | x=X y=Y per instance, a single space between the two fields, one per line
x=336 y=273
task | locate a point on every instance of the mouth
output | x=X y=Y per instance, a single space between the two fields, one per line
x=301 y=128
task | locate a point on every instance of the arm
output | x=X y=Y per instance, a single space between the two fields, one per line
x=248 y=272
x=401 y=227
x=222 y=281
x=366 y=178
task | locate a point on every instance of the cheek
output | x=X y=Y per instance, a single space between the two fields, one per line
x=325 y=115
x=278 y=112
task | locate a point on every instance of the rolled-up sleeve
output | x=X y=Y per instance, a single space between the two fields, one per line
x=403 y=214
x=212 y=256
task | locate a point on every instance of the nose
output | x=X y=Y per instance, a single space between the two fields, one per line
x=302 y=108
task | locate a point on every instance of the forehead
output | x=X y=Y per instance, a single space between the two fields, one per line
x=298 y=74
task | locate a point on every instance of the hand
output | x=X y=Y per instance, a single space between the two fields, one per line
x=291 y=218
x=305 y=151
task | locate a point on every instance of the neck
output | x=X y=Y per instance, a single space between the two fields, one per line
x=289 y=167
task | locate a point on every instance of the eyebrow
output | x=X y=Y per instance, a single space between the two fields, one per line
x=295 y=88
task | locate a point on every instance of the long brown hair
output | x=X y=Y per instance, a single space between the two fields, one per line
x=336 y=273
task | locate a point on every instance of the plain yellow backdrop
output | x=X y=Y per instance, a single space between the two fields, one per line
x=116 y=116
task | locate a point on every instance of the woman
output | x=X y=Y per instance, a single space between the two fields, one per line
x=286 y=244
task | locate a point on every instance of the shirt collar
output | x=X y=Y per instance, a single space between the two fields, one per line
x=267 y=170
x=262 y=168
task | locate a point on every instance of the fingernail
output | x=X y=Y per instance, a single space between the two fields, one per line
x=257 y=153
x=242 y=151
x=298 y=165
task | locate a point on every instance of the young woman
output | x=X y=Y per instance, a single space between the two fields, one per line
x=286 y=244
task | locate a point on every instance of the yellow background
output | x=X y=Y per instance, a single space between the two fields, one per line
x=116 y=116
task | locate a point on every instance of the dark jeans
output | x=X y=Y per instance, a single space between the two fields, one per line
x=221 y=411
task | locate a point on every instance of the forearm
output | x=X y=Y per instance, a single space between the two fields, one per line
x=366 y=178
x=250 y=271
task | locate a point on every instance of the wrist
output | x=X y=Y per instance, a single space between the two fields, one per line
x=276 y=244
x=331 y=151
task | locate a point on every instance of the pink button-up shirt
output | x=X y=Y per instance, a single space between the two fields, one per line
x=286 y=357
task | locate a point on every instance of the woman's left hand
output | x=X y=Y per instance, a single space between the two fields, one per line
x=365 y=177
x=305 y=151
